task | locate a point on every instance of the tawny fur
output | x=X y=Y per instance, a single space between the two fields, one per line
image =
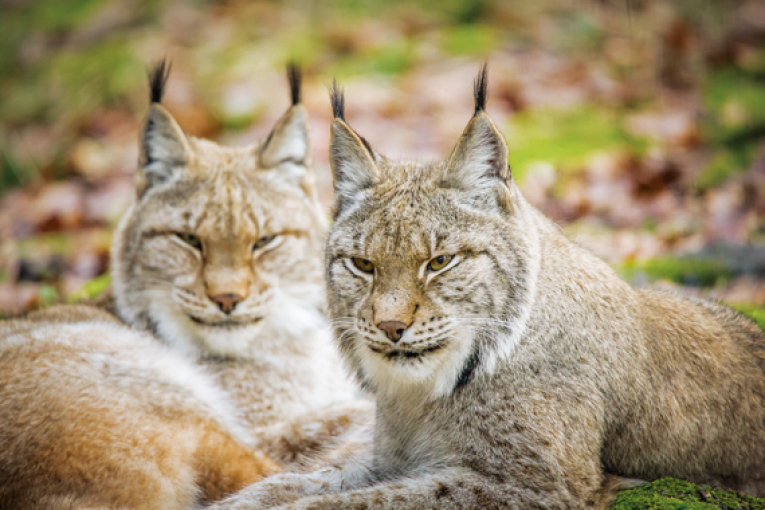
x=96 y=415
x=254 y=230
x=84 y=440
x=524 y=373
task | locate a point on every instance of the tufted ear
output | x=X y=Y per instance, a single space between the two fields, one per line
x=163 y=145
x=353 y=162
x=480 y=156
x=289 y=141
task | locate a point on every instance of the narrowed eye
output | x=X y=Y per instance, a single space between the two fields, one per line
x=440 y=262
x=363 y=264
x=263 y=242
x=191 y=240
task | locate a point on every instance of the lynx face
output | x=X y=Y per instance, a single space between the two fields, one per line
x=221 y=244
x=417 y=262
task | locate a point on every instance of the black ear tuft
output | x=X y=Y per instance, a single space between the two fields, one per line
x=295 y=77
x=337 y=97
x=157 y=79
x=480 y=88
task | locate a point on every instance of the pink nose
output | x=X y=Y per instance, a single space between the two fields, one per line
x=227 y=302
x=393 y=329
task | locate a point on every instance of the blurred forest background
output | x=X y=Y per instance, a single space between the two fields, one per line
x=638 y=125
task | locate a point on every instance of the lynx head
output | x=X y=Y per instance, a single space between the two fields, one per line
x=221 y=245
x=431 y=268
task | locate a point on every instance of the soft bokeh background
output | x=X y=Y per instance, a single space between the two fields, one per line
x=638 y=125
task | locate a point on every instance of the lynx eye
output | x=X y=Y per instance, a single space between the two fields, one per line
x=191 y=240
x=263 y=242
x=363 y=265
x=440 y=262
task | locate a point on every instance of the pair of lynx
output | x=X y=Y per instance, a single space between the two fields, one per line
x=511 y=368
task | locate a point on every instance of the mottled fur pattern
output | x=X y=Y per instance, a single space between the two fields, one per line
x=220 y=257
x=97 y=415
x=512 y=368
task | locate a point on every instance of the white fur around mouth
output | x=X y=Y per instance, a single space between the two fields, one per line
x=402 y=354
x=224 y=324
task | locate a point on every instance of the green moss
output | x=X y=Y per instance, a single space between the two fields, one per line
x=682 y=270
x=72 y=83
x=391 y=58
x=723 y=165
x=673 y=494
x=735 y=104
x=48 y=295
x=91 y=289
x=753 y=311
x=475 y=39
x=565 y=138
x=18 y=22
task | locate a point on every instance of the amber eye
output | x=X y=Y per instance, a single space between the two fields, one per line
x=363 y=264
x=191 y=240
x=439 y=262
x=263 y=242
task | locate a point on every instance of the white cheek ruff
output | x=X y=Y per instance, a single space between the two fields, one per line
x=434 y=374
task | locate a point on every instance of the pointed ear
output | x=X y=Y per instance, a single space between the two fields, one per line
x=480 y=157
x=353 y=162
x=163 y=148
x=289 y=141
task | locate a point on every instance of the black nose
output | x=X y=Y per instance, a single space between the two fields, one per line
x=227 y=302
x=393 y=329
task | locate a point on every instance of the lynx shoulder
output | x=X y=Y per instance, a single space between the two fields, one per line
x=95 y=414
x=513 y=369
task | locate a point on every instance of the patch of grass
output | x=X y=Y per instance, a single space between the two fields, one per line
x=48 y=295
x=18 y=22
x=751 y=310
x=91 y=289
x=477 y=39
x=72 y=83
x=723 y=165
x=680 y=270
x=736 y=104
x=392 y=58
x=565 y=138
x=673 y=494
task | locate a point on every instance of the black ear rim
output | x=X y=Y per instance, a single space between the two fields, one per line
x=295 y=79
x=481 y=88
x=158 y=76
x=337 y=98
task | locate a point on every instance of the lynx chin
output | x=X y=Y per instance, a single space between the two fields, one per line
x=512 y=368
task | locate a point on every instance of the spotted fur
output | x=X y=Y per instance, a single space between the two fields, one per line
x=220 y=257
x=524 y=373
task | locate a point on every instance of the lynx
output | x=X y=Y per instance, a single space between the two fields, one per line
x=220 y=257
x=512 y=368
x=95 y=415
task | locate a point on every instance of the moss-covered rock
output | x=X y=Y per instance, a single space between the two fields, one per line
x=673 y=494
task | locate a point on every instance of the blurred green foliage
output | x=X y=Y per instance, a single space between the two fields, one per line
x=566 y=138
x=753 y=311
x=704 y=272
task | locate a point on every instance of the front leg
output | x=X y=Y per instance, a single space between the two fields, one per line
x=456 y=489
x=289 y=487
x=461 y=489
